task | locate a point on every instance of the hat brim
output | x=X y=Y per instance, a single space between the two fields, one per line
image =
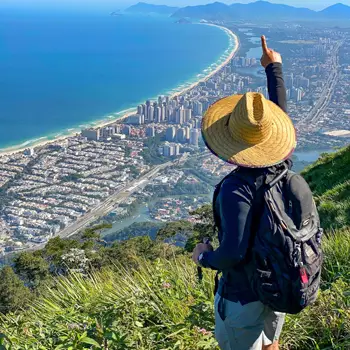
x=278 y=147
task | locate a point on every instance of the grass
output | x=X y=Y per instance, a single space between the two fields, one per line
x=163 y=306
x=330 y=182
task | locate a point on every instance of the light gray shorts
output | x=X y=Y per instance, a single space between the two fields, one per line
x=247 y=327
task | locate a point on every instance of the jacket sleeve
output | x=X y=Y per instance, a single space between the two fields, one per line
x=275 y=85
x=235 y=203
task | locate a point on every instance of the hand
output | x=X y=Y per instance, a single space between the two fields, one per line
x=269 y=56
x=200 y=248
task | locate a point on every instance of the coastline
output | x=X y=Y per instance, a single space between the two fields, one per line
x=114 y=117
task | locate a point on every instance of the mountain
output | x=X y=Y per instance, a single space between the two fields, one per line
x=337 y=11
x=145 y=8
x=260 y=10
x=214 y=11
x=265 y=9
x=256 y=10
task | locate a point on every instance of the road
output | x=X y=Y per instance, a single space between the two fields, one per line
x=110 y=203
x=328 y=89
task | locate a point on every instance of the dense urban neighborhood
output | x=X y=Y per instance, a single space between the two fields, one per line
x=157 y=152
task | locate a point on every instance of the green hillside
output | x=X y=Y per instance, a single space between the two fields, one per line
x=143 y=294
x=329 y=180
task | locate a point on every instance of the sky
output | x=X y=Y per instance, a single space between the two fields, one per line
x=120 y=4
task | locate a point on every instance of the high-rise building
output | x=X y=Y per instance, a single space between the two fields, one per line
x=288 y=94
x=117 y=128
x=188 y=115
x=289 y=81
x=198 y=123
x=170 y=114
x=300 y=94
x=170 y=134
x=157 y=114
x=91 y=134
x=197 y=108
x=181 y=135
x=151 y=114
x=176 y=150
x=194 y=138
x=205 y=105
x=168 y=150
x=135 y=119
x=180 y=116
x=163 y=113
x=150 y=131
x=126 y=130
x=107 y=132
x=187 y=133
x=140 y=110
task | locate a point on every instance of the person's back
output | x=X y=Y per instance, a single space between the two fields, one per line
x=256 y=135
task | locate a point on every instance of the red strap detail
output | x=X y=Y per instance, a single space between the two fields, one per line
x=303 y=275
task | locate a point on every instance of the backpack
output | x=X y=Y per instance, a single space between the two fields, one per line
x=285 y=258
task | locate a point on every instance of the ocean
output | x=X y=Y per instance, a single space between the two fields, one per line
x=61 y=72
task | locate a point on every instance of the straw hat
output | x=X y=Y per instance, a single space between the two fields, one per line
x=248 y=130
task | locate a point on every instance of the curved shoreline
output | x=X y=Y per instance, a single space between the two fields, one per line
x=113 y=117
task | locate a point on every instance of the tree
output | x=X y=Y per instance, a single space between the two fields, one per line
x=173 y=229
x=13 y=294
x=203 y=227
x=54 y=249
x=31 y=268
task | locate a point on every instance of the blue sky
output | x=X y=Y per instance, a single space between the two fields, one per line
x=115 y=4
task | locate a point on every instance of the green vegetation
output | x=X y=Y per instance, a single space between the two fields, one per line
x=329 y=180
x=150 y=152
x=144 y=294
x=159 y=304
x=135 y=230
x=13 y=294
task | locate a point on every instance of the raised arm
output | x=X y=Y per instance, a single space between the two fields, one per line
x=272 y=62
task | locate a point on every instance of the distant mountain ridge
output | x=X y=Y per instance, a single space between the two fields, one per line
x=145 y=8
x=339 y=10
x=254 y=10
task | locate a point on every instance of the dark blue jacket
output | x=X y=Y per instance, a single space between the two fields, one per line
x=234 y=206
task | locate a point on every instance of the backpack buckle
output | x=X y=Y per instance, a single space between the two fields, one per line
x=297 y=255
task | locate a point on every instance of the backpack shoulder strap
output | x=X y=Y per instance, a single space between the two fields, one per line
x=215 y=196
x=300 y=198
x=263 y=185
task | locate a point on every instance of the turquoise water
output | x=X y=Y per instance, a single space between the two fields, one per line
x=63 y=71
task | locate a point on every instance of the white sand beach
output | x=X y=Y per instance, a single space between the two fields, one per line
x=42 y=141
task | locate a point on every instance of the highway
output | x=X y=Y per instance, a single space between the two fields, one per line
x=110 y=203
x=327 y=93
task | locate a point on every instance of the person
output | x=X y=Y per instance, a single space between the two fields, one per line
x=257 y=136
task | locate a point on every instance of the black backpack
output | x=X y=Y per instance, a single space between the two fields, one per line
x=285 y=257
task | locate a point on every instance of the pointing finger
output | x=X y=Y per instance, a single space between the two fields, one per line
x=264 y=44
